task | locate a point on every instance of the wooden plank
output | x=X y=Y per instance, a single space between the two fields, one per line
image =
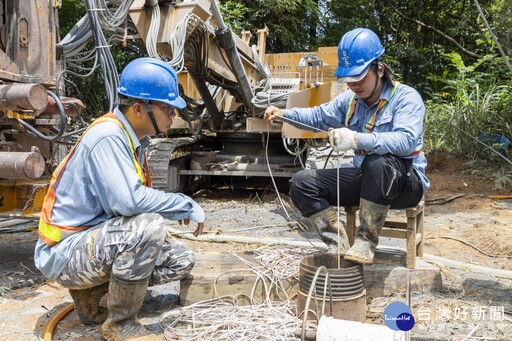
x=393 y=233
x=411 y=242
x=222 y=274
x=419 y=229
x=383 y=280
x=414 y=211
x=418 y=238
x=396 y=225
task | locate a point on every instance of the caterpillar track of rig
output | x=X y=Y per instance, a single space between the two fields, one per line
x=226 y=83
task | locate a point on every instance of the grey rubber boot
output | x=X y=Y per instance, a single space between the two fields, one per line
x=124 y=301
x=372 y=217
x=87 y=303
x=326 y=224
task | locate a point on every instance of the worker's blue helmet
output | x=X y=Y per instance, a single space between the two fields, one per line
x=357 y=50
x=152 y=80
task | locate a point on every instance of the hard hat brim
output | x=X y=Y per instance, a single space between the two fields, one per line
x=178 y=103
x=354 y=78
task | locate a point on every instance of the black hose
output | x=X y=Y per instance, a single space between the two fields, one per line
x=63 y=121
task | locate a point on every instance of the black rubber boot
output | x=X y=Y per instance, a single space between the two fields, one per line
x=326 y=223
x=124 y=301
x=372 y=217
x=87 y=303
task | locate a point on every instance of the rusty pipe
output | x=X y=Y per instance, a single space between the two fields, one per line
x=23 y=97
x=21 y=165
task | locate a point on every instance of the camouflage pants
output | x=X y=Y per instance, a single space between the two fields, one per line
x=129 y=248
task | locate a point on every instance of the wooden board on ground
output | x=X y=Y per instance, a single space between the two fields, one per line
x=389 y=275
x=231 y=276
x=227 y=275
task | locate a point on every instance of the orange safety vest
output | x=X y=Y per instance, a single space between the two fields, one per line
x=368 y=127
x=52 y=233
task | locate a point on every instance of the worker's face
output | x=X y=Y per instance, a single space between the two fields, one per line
x=164 y=115
x=364 y=87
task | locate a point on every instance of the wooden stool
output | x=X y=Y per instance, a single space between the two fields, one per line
x=411 y=231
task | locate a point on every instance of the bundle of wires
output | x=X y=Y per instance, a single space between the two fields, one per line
x=102 y=16
x=264 y=99
x=154 y=27
x=108 y=67
x=112 y=17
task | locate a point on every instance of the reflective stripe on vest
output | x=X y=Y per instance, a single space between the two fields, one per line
x=52 y=233
x=368 y=127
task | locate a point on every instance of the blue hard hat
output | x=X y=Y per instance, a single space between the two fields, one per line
x=357 y=50
x=151 y=79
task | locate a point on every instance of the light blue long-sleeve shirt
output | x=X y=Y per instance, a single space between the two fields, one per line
x=398 y=128
x=100 y=182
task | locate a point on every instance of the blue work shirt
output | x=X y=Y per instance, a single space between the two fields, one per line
x=100 y=182
x=398 y=128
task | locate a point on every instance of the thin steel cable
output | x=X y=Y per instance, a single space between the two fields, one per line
x=302 y=124
x=338 y=206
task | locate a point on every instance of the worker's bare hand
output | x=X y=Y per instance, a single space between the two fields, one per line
x=168 y=236
x=199 y=229
x=273 y=114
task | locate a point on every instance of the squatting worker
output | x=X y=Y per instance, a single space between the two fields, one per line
x=383 y=121
x=102 y=225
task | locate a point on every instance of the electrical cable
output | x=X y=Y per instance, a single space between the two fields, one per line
x=264 y=99
x=152 y=36
x=63 y=72
x=63 y=121
x=108 y=67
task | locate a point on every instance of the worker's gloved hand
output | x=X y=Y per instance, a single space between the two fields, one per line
x=342 y=139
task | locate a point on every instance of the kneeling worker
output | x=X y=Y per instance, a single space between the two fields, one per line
x=102 y=225
x=383 y=122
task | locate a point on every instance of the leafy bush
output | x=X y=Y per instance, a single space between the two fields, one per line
x=466 y=104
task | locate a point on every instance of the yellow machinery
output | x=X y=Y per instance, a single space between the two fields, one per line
x=226 y=83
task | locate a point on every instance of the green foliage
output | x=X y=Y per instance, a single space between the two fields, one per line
x=469 y=102
x=292 y=23
x=502 y=178
x=234 y=13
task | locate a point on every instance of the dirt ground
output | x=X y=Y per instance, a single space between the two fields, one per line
x=458 y=212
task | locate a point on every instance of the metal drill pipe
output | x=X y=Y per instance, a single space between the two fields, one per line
x=21 y=165
x=23 y=97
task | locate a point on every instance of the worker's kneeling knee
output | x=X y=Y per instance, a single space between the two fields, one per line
x=150 y=226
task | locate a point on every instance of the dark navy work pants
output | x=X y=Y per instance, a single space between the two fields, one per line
x=383 y=179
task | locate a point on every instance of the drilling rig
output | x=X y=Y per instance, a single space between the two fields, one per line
x=226 y=83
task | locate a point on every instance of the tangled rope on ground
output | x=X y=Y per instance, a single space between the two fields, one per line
x=224 y=319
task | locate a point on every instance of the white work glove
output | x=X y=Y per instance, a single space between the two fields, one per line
x=342 y=139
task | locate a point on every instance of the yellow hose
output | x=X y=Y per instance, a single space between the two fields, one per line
x=49 y=329
x=500 y=196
